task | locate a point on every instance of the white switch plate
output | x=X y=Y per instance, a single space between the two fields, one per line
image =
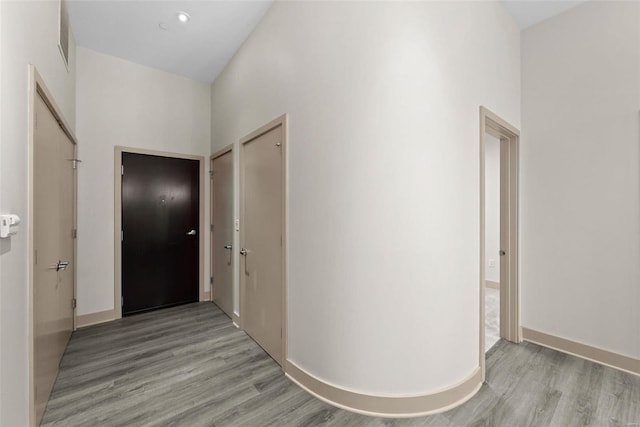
x=492 y=263
x=9 y=225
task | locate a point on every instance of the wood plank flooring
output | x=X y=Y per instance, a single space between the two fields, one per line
x=189 y=366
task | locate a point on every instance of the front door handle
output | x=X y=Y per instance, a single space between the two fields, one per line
x=243 y=251
x=502 y=253
x=191 y=233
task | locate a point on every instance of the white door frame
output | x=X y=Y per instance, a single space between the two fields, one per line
x=280 y=121
x=37 y=87
x=117 y=229
x=509 y=287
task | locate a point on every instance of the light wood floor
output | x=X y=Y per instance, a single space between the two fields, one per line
x=189 y=366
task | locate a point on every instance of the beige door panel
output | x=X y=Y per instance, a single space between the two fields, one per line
x=53 y=224
x=222 y=233
x=261 y=272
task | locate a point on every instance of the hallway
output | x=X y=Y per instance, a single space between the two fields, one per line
x=190 y=366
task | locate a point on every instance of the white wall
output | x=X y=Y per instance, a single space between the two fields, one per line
x=580 y=176
x=122 y=103
x=383 y=103
x=28 y=35
x=492 y=207
x=1 y=246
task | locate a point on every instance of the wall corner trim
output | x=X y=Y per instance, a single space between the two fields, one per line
x=386 y=406
x=95 y=318
x=584 y=351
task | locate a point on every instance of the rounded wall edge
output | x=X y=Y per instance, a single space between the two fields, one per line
x=386 y=406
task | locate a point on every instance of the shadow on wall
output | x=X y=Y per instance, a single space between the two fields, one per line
x=5 y=246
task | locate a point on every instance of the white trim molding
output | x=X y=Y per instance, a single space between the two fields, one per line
x=95 y=318
x=584 y=351
x=386 y=406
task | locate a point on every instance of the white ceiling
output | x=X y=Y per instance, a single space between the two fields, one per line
x=201 y=48
x=530 y=12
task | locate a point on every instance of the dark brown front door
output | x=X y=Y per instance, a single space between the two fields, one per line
x=160 y=207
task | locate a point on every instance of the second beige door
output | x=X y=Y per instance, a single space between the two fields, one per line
x=54 y=263
x=261 y=272
x=222 y=231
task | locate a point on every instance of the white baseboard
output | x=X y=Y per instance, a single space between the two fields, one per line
x=95 y=318
x=584 y=351
x=236 y=320
x=386 y=406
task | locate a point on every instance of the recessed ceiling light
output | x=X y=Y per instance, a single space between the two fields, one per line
x=183 y=17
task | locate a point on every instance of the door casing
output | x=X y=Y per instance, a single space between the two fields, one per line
x=36 y=88
x=224 y=151
x=280 y=121
x=117 y=233
x=509 y=137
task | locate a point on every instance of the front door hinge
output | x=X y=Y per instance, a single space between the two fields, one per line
x=122 y=235
x=211 y=280
x=211 y=229
x=74 y=303
x=122 y=301
x=74 y=233
x=122 y=170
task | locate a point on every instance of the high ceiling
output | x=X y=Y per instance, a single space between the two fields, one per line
x=530 y=12
x=198 y=49
x=149 y=32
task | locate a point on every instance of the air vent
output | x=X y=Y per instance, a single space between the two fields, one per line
x=63 y=39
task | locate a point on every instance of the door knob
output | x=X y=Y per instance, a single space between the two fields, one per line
x=502 y=253
x=228 y=247
x=191 y=233
x=243 y=251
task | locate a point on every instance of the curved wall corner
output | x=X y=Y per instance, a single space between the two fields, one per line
x=387 y=406
x=383 y=303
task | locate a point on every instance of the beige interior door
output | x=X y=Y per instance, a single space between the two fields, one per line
x=53 y=290
x=222 y=231
x=508 y=240
x=261 y=271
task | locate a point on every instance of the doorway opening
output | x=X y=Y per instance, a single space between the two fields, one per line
x=499 y=287
x=158 y=233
